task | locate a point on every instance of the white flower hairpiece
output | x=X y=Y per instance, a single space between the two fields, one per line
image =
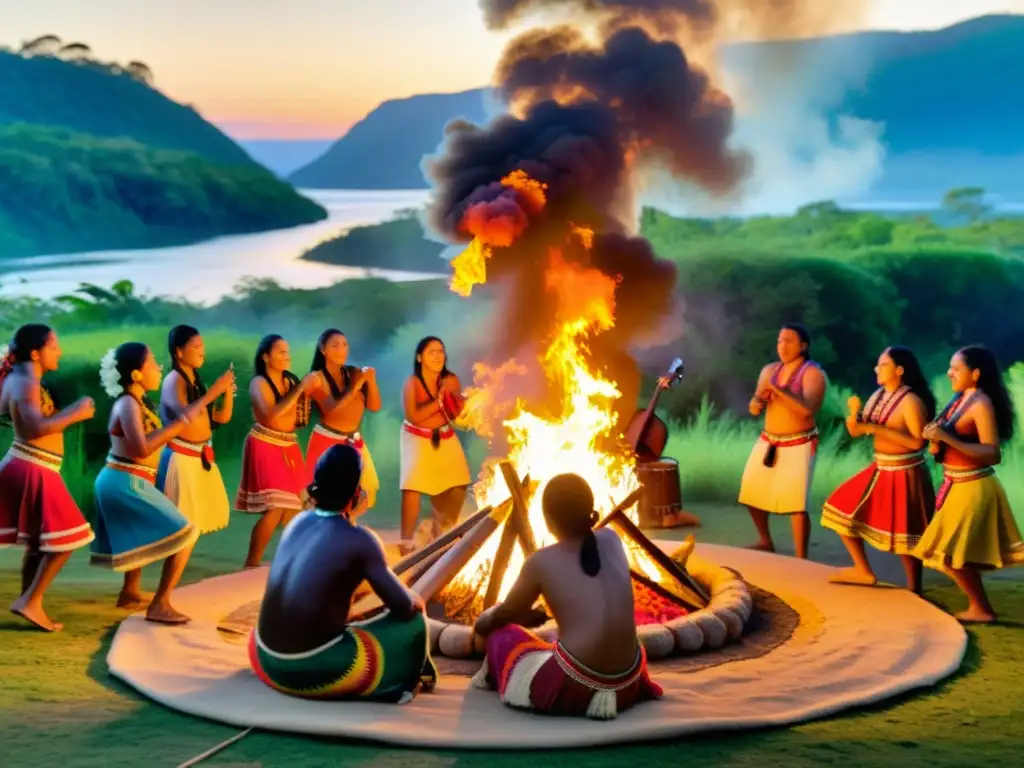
x=5 y=350
x=109 y=377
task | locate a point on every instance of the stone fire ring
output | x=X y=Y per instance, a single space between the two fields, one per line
x=851 y=646
x=722 y=621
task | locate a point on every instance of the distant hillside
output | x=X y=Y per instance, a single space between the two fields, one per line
x=89 y=98
x=951 y=90
x=283 y=156
x=93 y=157
x=66 y=191
x=384 y=149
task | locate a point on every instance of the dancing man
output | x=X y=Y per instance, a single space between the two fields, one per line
x=432 y=460
x=304 y=644
x=188 y=474
x=777 y=478
x=598 y=667
x=273 y=469
x=344 y=395
x=973 y=529
x=136 y=524
x=890 y=502
x=36 y=509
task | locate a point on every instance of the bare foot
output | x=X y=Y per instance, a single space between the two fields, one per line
x=132 y=599
x=854 y=576
x=762 y=546
x=679 y=519
x=165 y=614
x=34 y=614
x=976 y=616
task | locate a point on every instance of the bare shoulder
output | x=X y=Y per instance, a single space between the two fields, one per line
x=767 y=370
x=259 y=386
x=982 y=406
x=816 y=374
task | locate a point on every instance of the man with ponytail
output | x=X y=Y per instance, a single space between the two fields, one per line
x=36 y=509
x=597 y=668
x=303 y=643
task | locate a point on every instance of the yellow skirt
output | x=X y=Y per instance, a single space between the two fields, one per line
x=973 y=525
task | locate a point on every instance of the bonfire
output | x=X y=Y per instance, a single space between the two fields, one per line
x=476 y=564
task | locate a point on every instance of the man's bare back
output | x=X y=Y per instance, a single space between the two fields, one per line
x=594 y=613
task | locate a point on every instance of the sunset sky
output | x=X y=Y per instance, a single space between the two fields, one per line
x=309 y=68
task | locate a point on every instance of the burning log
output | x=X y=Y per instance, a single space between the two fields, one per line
x=446 y=567
x=692 y=592
x=442 y=541
x=520 y=509
x=440 y=566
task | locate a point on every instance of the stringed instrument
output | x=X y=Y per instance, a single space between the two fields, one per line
x=646 y=433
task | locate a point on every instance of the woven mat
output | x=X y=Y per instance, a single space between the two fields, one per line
x=850 y=646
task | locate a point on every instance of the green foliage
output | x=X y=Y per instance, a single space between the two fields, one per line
x=78 y=192
x=395 y=244
x=105 y=100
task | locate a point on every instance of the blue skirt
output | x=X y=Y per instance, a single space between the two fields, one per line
x=136 y=524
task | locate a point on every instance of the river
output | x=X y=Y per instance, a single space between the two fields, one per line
x=205 y=272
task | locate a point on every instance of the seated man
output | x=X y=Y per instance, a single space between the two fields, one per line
x=597 y=667
x=303 y=644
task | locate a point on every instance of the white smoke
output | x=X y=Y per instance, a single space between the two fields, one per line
x=786 y=118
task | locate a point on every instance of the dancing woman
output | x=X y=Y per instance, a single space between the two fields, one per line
x=273 y=471
x=890 y=502
x=188 y=474
x=136 y=524
x=973 y=529
x=36 y=509
x=345 y=393
x=432 y=460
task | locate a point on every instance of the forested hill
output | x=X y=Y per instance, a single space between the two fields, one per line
x=88 y=97
x=94 y=157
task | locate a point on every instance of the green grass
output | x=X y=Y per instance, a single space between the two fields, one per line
x=58 y=703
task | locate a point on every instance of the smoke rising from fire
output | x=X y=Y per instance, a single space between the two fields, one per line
x=591 y=106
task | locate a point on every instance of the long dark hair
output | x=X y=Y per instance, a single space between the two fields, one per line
x=417 y=364
x=913 y=377
x=179 y=336
x=29 y=338
x=568 y=505
x=260 y=368
x=801 y=333
x=128 y=358
x=320 y=364
x=990 y=381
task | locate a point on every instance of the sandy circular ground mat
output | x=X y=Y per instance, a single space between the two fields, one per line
x=826 y=648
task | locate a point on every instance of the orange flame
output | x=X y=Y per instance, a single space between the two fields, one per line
x=568 y=441
x=494 y=225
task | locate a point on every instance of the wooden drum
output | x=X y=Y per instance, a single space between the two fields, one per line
x=661 y=500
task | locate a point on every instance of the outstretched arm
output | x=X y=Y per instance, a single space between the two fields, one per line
x=392 y=592
x=517 y=608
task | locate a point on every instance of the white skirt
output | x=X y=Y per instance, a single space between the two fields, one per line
x=429 y=470
x=785 y=488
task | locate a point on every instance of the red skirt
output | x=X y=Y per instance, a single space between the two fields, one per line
x=36 y=508
x=322 y=438
x=273 y=472
x=533 y=674
x=888 y=504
